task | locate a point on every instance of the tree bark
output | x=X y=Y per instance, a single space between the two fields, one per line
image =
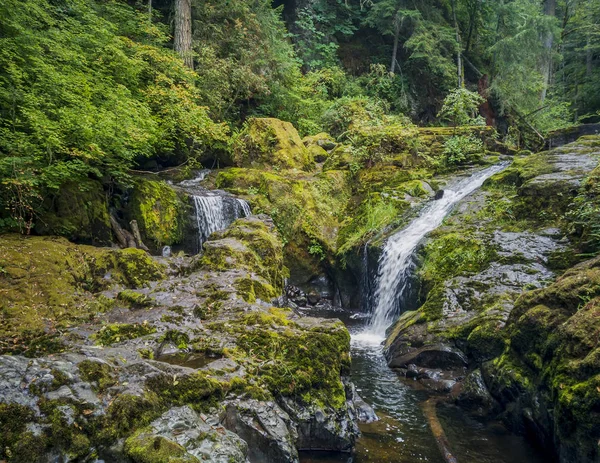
x=550 y=10
x=125 y=239
x=150 y=10
x=396 y=40
x=182 y=37
x=137 y=235
x=459 y=65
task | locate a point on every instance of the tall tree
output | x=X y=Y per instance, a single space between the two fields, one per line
x=182 y=39
x=548 y=39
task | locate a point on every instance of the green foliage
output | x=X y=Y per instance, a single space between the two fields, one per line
x=88 y=90
x=460 y=108
x=462 y=149
x=242 y=55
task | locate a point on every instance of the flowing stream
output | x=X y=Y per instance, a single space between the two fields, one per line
x=402 y=435
x=396 y=263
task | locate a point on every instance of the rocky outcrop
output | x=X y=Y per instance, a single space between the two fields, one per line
x=198 y=366
x=548 y=379
x=270 y=143
x=488 y=322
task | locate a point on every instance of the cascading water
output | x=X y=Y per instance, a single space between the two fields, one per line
x=217 y=212
x=213 y=210
x=396 y=262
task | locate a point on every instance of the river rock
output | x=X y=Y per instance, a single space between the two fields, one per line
x=266 y=428
x=185 y=427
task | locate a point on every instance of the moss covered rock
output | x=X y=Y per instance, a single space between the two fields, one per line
x=47 y=283
x=159 y=211
x=549 y=378
x=270 y=143
x=79 y=212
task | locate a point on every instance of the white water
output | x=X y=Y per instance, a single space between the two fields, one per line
x=396 y=262
x=215 y=213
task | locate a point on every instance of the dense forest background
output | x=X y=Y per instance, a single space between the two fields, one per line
x=99 y=89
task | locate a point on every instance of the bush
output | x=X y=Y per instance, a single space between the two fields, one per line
x=462 y=149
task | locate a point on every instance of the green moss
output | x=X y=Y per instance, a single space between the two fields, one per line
x=270 y=143
x=199 y=389
x=13 y=420
x=77 y=211
x=119 y=332
x=98 y=373
x=159 y=211
x=176 y=338
x=143 y=447
x=304 y=208
x=248 y=244
x=305 y=364
x=251 y=289
x=134 y=299
x=128 y=412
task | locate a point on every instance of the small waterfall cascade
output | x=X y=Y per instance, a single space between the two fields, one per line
x=396 y=263
x=214 y=210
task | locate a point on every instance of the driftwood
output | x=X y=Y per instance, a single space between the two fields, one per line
x=436 y=428
x=137 y=235
x=125 y=238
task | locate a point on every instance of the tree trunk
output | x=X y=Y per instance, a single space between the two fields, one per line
x=150 y=10
x=550 y=10
x=396 y=40
x=459 y=65
x=137 y=235
x=588 y=57
x=182 y=38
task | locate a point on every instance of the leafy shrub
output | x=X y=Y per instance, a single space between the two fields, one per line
x=462 y=149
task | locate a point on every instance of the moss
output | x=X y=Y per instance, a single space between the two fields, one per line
x=50 y=281
x=159 y=211
x=13 y=420
x=270 y=143
x=304 y=208
x=251 y=289
x=100 y=374
x=119 y=332
x=199 y=389
x=305 y=364
x=486 y=341
x=128 y=412
x=79 y=212
x=248 y=244
x=175 y=338
x=131 y=267
x=143 y=447
x=134 y=299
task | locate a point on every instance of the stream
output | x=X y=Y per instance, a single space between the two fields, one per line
x=403 y=434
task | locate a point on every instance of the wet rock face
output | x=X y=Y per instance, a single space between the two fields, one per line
x=490 y=250
x=529 y=345
x=198 y=366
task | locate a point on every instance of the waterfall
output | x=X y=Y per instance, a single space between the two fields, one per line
x=217 y=212
x=396 y=262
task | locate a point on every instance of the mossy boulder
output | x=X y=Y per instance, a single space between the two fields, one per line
x=47 y=283
x=270 y=143
x=322 y=140
x=77 y=211
x=249 y=244
x=160 y=212
x=307 y=211
x=548 y=379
